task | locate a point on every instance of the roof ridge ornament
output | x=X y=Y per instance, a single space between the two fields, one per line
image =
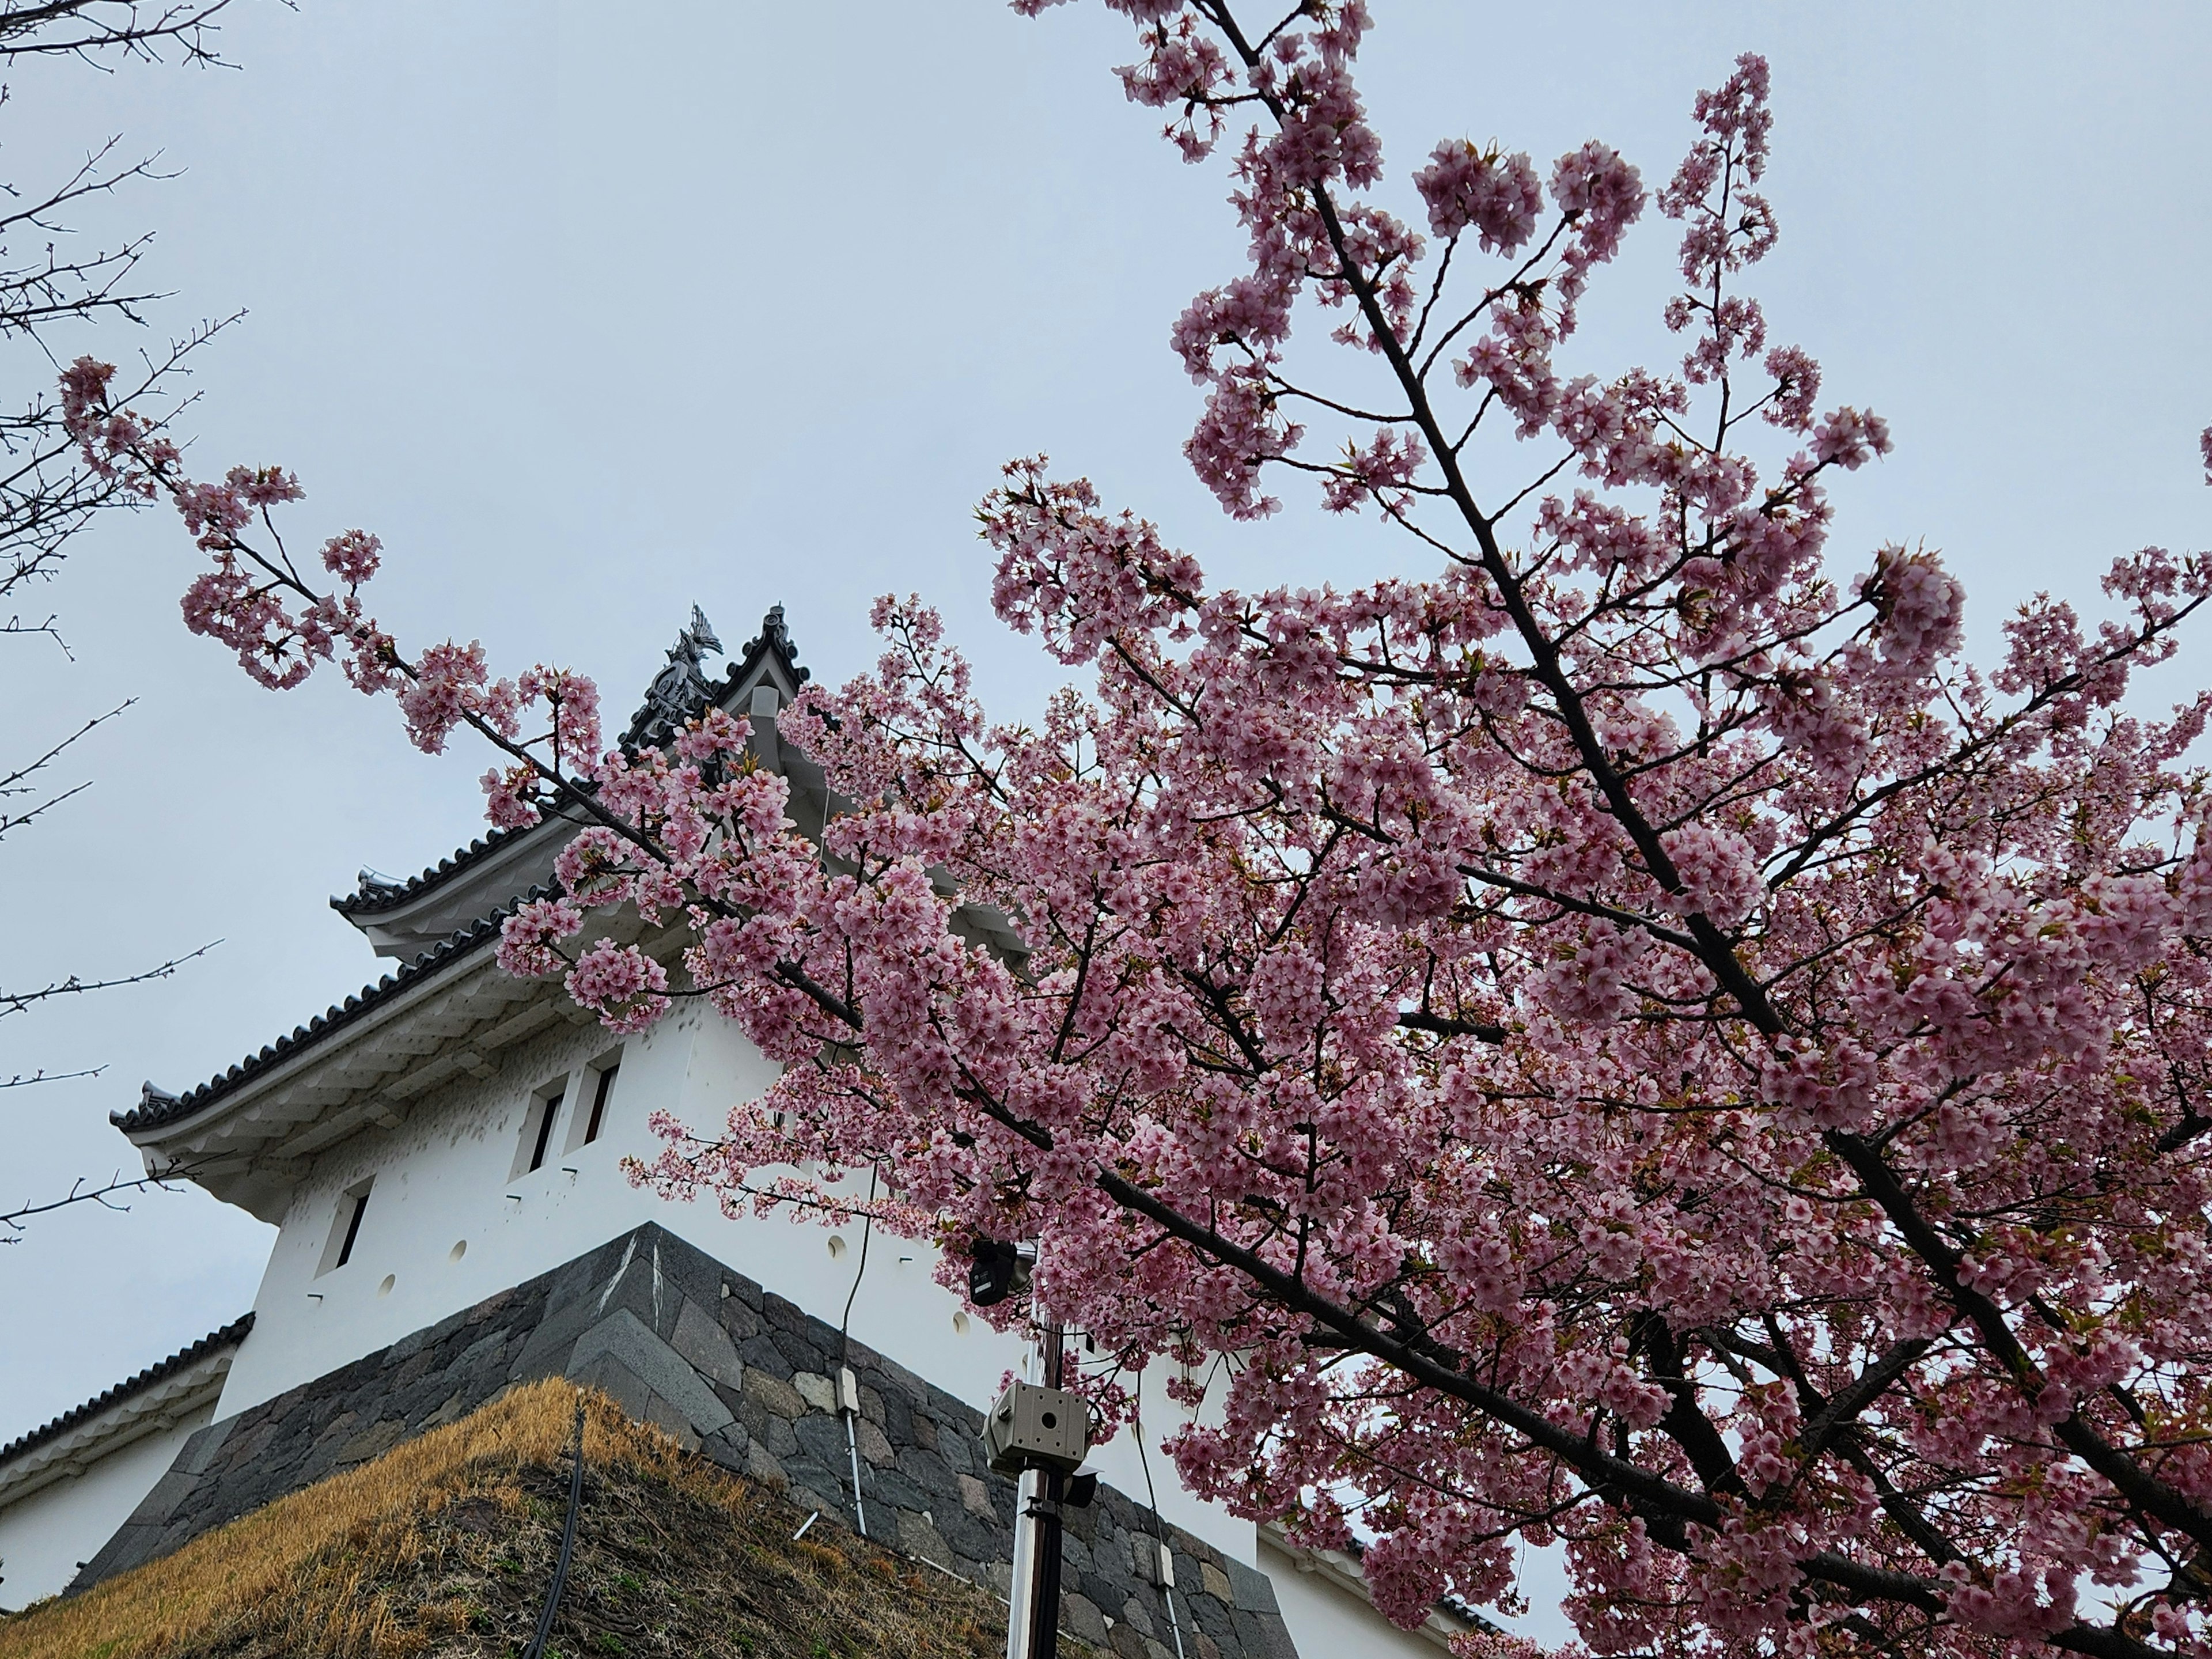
x=681 y=688
x=773 y=632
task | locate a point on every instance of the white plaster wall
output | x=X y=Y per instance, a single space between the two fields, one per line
x=442 y=1179
x=46 y=1536
x=1325 y=1619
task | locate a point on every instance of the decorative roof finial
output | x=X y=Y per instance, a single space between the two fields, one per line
x=678 y=690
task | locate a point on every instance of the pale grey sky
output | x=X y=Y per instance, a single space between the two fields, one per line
x=594 y=312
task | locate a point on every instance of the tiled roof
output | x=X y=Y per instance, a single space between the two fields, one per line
x=157 y=1106
x=228 y=1336
x=774 y=636
x=377 y=894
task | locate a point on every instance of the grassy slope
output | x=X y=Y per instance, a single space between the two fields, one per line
x=446 y=1545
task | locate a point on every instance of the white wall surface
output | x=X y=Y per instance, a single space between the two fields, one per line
x=443 y=1179
x=46 y=1536
x=1326 y=1619
x=449 y=1224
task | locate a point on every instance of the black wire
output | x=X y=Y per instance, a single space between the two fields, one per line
x=845 y=1320
x=537 y=1648
x=1160 y=1525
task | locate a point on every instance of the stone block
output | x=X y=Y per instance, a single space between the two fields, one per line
x=700 y=1339
x=694 y=1274
x=672 y=1422
x=824 y=1437
x=1074 y=1552
x=763 y=1358
x=1217 y=1583
x=1080 y=1615
x=874 y=1445
x=374 y=1441
x=980 y=1539
x=740 y=1319
x=1137 y=1616
x=764 y=1468
x=1250 y=1638
x=929 y=1472
x=485 y=1352
x=960 y=1453
x=1106 y=1592
x=776 y=1397
x=833 y=1509
x=975 y=1496
x=546 y=1350
x=1250 y=1588
x=780 y=1438
x=199 y=1451
x=654 y=1363
x=608 y=1374
x=889 y=1486
x=919 y=1536
x=727 y=1448
x=815 y=1389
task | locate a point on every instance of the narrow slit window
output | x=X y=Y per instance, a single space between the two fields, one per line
x=536 y=1142
x=606 y=1085
x=544 y=1134
x=353 y=1229
x=345 y=1228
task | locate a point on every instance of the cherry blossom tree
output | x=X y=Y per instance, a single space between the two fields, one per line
x=1620 y=1039
x=51 y=293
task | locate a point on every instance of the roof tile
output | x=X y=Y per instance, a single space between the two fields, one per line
x=228 y=1336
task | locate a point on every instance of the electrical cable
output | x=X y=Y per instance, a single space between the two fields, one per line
x=537 y=1648
x=850 y=1410
x=1160 y=1535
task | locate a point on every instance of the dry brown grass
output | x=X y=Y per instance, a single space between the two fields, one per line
x=445 y=1546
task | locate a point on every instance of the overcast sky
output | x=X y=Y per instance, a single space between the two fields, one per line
x=595 y=312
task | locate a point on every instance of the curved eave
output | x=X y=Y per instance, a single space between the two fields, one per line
x=157 y=1399
x=251 y=1135
x=481 y=877
x=403 y=916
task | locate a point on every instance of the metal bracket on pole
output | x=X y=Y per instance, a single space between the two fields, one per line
x=1033 y=1599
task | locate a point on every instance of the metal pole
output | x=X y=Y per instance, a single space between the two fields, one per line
x=1033 y=1598
x=1044 y=1605
x=1027 y=1491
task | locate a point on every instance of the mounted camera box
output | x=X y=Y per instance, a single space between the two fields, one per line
x=1034 y=1427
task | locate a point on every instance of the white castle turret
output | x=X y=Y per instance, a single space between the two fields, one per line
x=442 y=1156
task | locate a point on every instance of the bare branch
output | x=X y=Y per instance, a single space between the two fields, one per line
x=79 y=1193
x=15 y=1002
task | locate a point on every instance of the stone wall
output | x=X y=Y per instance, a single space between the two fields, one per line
x=746 y=1379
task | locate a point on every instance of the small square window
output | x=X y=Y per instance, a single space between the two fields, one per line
x=345 y=1227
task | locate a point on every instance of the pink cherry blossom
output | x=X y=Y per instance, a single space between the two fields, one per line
x=1496 y=194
